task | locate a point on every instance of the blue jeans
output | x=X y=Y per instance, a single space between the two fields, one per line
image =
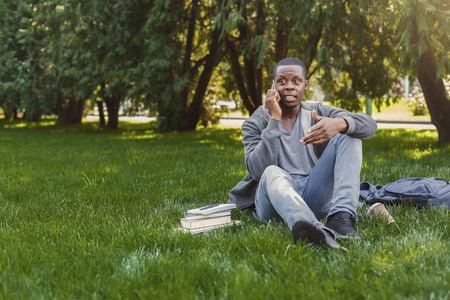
x=332 y=186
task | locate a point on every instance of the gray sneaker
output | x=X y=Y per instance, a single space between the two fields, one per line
x=307 y=231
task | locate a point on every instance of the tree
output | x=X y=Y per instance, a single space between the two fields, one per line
x=9 y=59
x=184 y=47
x=423 y=29
x=32 y=70
x=21 y=61
x=162 y=53
x=86 y=50
x=246 y=28
x=353 y=55
x=103 y=42
x=327 y=36
x=58 y=20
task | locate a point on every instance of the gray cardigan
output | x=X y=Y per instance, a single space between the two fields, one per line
x=261 y=138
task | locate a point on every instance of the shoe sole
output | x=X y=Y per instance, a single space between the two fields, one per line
x=351 y=237
x=306 y=231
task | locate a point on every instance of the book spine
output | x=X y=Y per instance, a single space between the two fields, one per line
x=204 y=222
x=213 y=209
x=205 y=229
x=190 y=217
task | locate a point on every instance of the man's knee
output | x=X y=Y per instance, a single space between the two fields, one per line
x=273 y=172
x=344 y=138
x=348 y=144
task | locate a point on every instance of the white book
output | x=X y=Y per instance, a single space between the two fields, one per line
x=204 y=222
x=206 y=210
x=204 y=229
x=191 y=217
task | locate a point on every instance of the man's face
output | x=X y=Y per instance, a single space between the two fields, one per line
x=291 y=84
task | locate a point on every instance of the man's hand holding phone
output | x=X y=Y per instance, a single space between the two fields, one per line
x=272 y=102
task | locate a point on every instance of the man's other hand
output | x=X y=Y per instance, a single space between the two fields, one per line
x=324 y=130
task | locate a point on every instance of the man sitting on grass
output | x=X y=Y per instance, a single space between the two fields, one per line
x=303 y=161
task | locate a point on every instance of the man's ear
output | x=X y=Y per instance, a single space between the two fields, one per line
x=306 y=84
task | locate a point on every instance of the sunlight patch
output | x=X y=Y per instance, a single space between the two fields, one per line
x=418 y=154
x=134 y=266
x=136 y=136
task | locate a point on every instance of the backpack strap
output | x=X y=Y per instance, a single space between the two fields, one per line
x=306 y=120
x=366 y=191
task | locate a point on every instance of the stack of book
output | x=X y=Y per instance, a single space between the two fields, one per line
x=208 y=218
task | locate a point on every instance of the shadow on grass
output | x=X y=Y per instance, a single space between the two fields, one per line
x=130 y=131
x=48 y=124
x=47 y=133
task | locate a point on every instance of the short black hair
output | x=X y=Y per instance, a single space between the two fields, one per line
x=289 y=61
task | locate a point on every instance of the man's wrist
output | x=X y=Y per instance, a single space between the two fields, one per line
x=344 y=126
x=276 y=116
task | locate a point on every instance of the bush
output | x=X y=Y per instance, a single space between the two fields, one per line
x=416 y=102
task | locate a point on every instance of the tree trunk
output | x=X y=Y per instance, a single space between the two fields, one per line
x=112 y=105
x=15 y=116
x=312 y=48
x=71 y=112
x=260 y=29
x=170 y=112
x=192 y=115
x=435 y=94
x=35 y=117
x=101 y=114
x=281 y=50
x=237 y=72
x=8 y=115
x=188 y=52
x=246 y=86
x=433 y=89
x=250 y=87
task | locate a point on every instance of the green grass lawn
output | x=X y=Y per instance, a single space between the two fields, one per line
x=91 y=214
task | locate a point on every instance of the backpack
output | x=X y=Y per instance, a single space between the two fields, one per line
x=418 y=191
